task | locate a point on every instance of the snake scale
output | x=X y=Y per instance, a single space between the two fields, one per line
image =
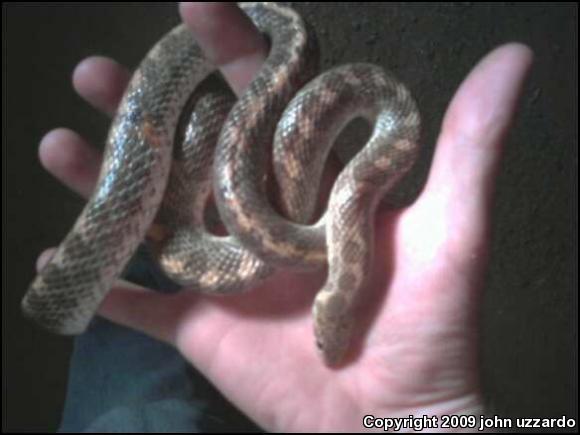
x=284 y=124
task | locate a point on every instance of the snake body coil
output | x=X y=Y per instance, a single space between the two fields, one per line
x=146 y=186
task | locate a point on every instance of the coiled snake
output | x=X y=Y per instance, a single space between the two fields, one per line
x=148 y=186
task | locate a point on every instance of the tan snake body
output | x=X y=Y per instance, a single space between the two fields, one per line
x=149 y=187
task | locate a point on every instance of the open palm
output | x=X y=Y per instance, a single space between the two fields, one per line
x=416 y=347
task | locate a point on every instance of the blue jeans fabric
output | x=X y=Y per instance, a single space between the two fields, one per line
x=123 y=381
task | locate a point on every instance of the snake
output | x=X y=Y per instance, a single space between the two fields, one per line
x=180 y=140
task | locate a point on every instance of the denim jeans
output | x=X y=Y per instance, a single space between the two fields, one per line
x=123 y=381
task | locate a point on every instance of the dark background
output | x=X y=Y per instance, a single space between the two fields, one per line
x=529 y=318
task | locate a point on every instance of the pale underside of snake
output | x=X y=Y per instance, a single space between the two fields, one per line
x=149 y=189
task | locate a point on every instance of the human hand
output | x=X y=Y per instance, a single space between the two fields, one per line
x=418 y=338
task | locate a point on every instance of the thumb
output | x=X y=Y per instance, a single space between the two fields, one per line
x=454 y=207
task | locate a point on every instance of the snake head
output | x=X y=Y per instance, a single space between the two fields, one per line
x=332 y=327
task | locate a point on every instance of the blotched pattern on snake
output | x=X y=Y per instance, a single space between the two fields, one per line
x=288 y=119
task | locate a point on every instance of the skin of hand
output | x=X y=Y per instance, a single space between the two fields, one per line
x=416 y=349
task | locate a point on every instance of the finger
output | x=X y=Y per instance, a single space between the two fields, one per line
x=136 y=307
x=71 y=159
x=44 y=258
x=101 y=82
x=228 y=38
x=457 y=195
x=156 y=314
